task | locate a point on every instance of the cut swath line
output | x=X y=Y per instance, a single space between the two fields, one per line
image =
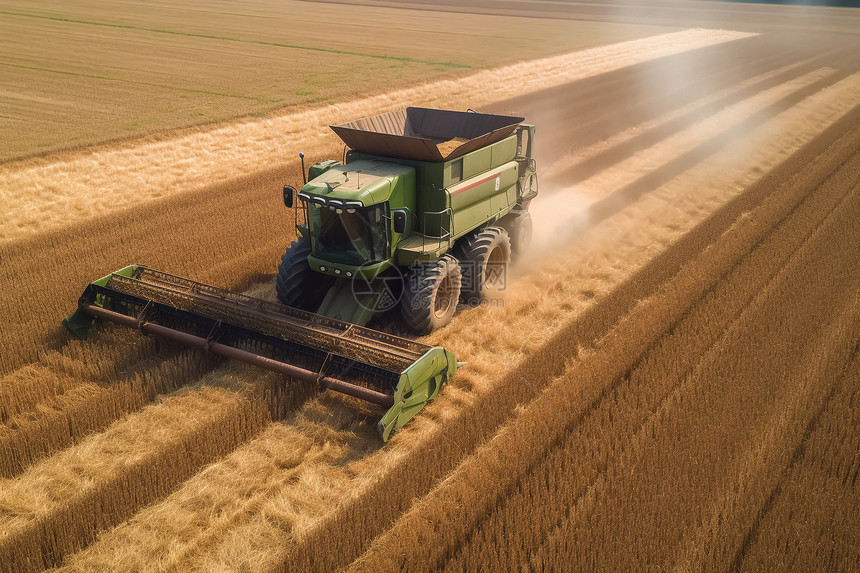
x=579 y=156
x=761 y=149
x=709 y=127
x=59 y=505
x=43 y=194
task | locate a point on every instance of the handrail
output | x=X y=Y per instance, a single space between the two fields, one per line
x=449 y=230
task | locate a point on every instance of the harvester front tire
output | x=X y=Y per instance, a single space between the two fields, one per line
x=484 y=259
x=430 y=295
x=297 y=285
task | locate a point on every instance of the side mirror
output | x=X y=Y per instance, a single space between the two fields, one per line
x=289 y=190
x=399 y=217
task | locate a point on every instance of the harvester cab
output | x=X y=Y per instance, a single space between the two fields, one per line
x=426 y=209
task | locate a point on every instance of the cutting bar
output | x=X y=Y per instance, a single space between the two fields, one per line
x=387 y=370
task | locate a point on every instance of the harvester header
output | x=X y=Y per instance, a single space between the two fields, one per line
x=392 y=372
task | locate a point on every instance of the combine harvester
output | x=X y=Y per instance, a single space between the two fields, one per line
x=399 y=223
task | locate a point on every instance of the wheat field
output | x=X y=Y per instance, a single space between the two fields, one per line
x=671 y=382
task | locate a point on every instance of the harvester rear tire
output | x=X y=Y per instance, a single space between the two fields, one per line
x=521 y=231
x=430 y=295
x=297 y=285
x=478 y=252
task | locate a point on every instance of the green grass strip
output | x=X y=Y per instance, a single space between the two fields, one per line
x=137 y=82
x=230 y=39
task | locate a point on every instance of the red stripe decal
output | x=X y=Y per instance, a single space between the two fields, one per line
x=476 y=183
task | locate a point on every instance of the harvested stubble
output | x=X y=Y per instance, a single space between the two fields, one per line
x=212 y=521
x=88 y=407
x=602 y=144
x=59 y=505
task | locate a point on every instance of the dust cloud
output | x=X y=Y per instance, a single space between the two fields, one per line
x=557 y=214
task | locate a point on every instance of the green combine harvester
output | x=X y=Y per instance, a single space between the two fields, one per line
x=427 y=209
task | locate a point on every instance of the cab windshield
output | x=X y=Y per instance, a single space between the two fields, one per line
x=349 y=238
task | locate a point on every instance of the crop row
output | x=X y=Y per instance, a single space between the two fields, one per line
x=447 y=517
x=818 y=495
x=203 y=235
x=697 y=472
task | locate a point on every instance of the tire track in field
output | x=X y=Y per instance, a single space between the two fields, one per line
x=619 y=371
x=601 y=161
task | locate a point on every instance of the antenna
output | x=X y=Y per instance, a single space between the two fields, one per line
x=302 y=157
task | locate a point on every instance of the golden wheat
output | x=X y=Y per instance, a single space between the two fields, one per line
x=810 y=519
x=59 y=505
x=472 y=330
x=469 y=492
x=568 y=496
x=615 y=346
